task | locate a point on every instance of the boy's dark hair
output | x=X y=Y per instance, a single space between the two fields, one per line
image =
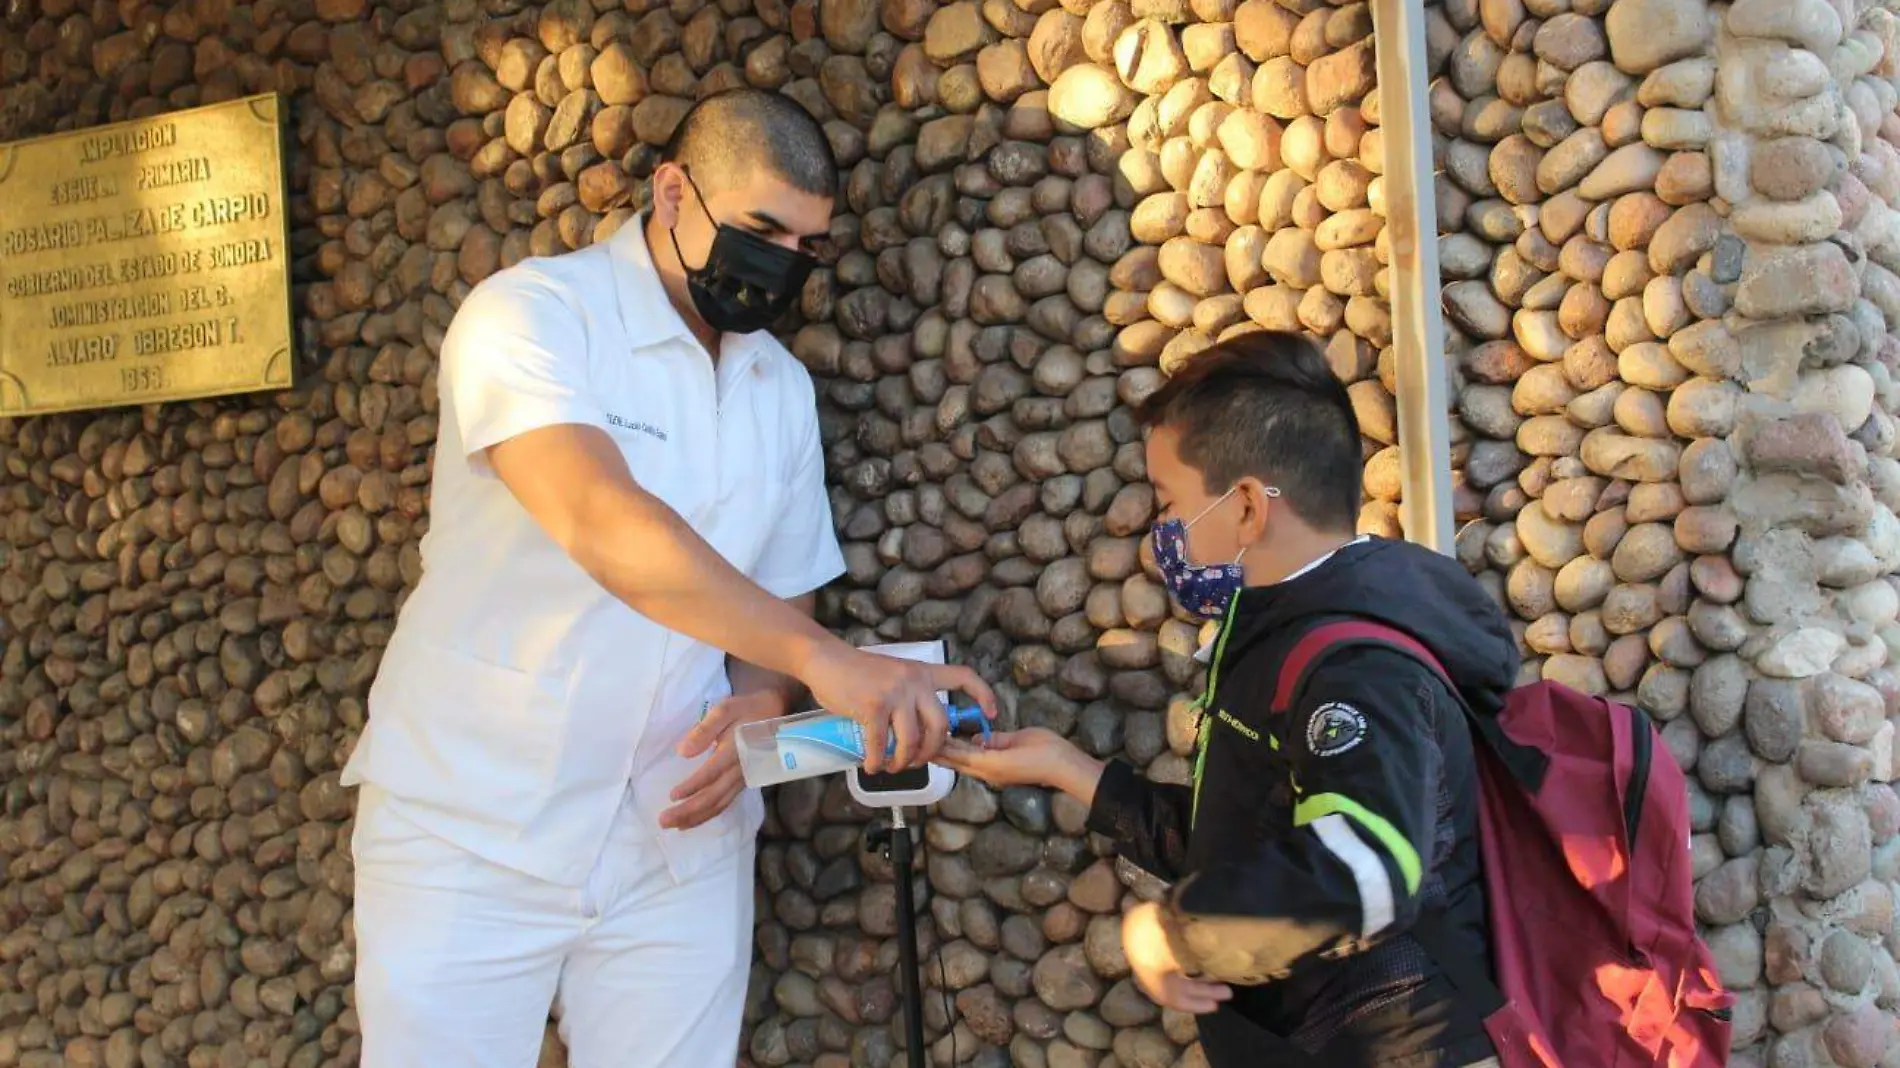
x=1266 y=404
x=734 y=132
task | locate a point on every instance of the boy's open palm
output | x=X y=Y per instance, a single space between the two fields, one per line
x=1028 y=757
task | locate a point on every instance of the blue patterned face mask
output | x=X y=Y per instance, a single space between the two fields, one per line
x=1202 y=590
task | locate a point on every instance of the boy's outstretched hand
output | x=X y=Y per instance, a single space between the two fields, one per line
x=1033 y=756
x=1036 y=756
x=1157 y=972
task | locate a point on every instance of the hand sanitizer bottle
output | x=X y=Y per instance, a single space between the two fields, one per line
x=773 y=751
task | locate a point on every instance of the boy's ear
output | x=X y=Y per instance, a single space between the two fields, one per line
x=1256 y=502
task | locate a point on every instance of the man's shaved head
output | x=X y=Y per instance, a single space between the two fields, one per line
x=731 y=135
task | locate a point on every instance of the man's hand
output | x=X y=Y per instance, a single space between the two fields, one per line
x=1157 y=973
x=1034 y=756
x=890 y=696
x=711 y=788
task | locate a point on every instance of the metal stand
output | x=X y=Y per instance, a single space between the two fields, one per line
x=895 y=841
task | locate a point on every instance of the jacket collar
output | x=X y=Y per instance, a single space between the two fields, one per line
x=1253 y=599
x=646 y=313
x=1295 y=588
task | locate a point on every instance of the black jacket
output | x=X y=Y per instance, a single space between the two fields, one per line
x=1317 y=839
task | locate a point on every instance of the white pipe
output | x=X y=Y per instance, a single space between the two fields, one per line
x=1418 y=325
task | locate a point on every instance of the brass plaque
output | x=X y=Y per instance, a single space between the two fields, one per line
x=145 y=261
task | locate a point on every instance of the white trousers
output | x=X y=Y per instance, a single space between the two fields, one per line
x=460 y=960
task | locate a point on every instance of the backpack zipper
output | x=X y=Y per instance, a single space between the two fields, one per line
x=1643 y=743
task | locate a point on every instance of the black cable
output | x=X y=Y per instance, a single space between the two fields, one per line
x=930 y=897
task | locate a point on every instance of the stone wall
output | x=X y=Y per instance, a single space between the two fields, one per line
x=1672 y=232
x=1031 y=260
x=1668 y=294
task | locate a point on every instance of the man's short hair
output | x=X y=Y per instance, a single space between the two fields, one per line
x=735 y=132
x=1266 y=404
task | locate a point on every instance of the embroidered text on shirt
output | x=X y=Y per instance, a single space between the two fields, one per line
x=630 y=424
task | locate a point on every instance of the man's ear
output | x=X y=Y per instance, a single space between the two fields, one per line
x=669 y=193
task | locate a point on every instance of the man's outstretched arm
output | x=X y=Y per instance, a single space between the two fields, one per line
x=515 y=371
x=575 y=483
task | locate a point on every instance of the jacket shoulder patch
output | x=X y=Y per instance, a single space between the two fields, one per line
x=1334 y=728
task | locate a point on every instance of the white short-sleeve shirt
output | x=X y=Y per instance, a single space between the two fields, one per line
x=519 y=704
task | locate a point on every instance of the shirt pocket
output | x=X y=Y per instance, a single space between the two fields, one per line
x=757 y=505
x=484 y=723
x=644 y=400
x=753 y=495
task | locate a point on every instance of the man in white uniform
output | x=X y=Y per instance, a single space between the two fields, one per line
x=628 y=486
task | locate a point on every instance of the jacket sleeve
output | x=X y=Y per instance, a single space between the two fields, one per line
x=1362 y=744
x=1148 y=820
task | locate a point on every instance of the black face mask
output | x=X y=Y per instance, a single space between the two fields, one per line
x=747 y=283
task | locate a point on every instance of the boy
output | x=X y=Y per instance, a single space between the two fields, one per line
x=1310 y=844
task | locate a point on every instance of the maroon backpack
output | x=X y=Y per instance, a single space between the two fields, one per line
x=1585 y=842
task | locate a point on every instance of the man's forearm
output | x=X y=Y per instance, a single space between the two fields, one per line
x=645 y=554
x=749 y=678
x=575 y=483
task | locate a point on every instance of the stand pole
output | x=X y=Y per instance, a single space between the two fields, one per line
x=907 y=941
x=1426 y=511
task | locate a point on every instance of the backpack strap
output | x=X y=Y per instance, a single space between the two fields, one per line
x=1323 y=639
x=1470 y=977
x=1526 y=764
